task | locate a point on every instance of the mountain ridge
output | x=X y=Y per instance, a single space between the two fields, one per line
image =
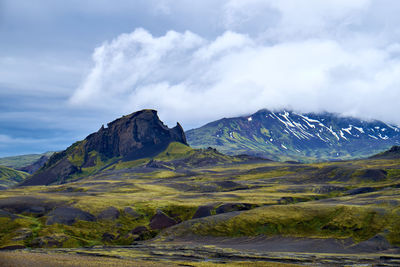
x=138 y=135
x=287 y=135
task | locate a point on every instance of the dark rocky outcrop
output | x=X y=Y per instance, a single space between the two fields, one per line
x=139 y=230
x=138 y=135
x=12 y=247
x=360 y=190
x=157 y=165
x=231 y=186
x=131 y=212
x=161 y=221
x=108 y=237
x=49 y=241
x=376 y=243
x=26 y=204
x=203 y=211
x=110 y=213
x=375 y=175
x=68 y=215
x=229 y=207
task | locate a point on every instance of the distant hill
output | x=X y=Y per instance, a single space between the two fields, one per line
x=10 y=177
x=18 y=162
x=393 y=153
x=135 y=136
x=286 y=135
x=35 y=165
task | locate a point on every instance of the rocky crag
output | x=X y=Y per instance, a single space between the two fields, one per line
x=138 y=135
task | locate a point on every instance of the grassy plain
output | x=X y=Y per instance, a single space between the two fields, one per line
x=353 y=201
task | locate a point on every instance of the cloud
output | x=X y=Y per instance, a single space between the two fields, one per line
x=194 y=80
x=194 y=61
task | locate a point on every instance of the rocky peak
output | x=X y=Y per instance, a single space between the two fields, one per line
x=138 y=135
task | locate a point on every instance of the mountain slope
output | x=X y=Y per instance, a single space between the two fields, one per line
x=291 y=136
x=138 y=135
x=10 y=177
x=393 y=153
x=21 y=161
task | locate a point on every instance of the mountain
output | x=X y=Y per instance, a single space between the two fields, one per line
x=31 y=168
x=10 y=177
x=22 y=161
x=393 y=153
x=138 y=135
x=287 y=135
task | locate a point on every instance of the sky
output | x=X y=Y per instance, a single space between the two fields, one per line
x=67 y=67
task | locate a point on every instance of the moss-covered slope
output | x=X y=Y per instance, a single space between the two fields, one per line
x=135 y=136
x=10 y=177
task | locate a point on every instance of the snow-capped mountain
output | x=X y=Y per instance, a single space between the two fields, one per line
x=287 y=135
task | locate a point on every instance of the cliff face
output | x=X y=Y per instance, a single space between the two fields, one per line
x=138 y=135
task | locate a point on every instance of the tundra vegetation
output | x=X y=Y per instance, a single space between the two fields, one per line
x=187 y=202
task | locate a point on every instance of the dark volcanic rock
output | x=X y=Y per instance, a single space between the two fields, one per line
x=376 y=243
x=138 y=135
x=139 y=230
x=131 y=212
x=230 y=185
x=374 y=174
x=68 y=215
x=26 y=204
x=108 y=237
x=110 y=213
x=50 y=241
x=229 y=207
x=157 y=165
x=161 y=221
x=13 y=247
x=361 y=190
x=203 y=211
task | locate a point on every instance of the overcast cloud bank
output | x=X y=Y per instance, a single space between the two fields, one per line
x=309 y=56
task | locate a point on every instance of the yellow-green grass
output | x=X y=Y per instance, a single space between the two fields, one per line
x=9 y=177
x=350 y=216
x=302 y=220
x=175 y=150
x=28 y=259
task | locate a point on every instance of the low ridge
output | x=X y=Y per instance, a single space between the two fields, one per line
x=392 y=153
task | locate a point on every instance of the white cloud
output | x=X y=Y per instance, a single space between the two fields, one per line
x=308 y=55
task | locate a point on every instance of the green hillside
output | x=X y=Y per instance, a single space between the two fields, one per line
x=10 y=177
x=17 y=162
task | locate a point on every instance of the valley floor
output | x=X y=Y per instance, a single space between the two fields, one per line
x=210 y=251
x=158 y=213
